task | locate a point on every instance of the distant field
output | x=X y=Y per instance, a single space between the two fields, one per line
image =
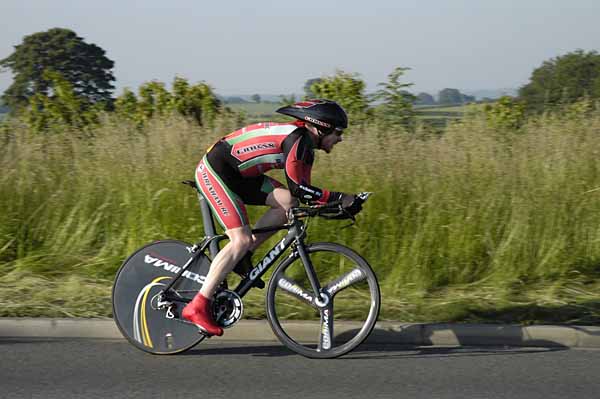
x=435 y=115
x=456 y=107
x=452 y=110
x=439 y=115
x=269 y=108
x=255 y=109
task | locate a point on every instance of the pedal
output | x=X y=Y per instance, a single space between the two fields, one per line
x=200 y=331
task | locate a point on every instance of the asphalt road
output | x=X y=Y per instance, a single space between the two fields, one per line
x=78 y=368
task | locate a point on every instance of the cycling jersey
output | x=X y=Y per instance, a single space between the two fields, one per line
x=231 y=173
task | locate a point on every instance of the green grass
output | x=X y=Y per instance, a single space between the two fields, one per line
x=475 y=224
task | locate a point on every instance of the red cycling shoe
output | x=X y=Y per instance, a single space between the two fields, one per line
x=198 y=312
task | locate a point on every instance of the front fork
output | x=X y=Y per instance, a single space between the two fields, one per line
x=323 y=301
x=321 y=298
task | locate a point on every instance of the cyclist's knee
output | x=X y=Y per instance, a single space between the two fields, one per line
x=282 y=198
x=290 y=202
x=241 y=239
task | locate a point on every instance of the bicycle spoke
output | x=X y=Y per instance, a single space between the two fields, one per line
x=326 y=330
x=344 y=281
x=292 y=288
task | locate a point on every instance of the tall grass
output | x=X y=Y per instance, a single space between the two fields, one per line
x=477 y=223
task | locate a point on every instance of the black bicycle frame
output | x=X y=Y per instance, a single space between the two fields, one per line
x=295 y=236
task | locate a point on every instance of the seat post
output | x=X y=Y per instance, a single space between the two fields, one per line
x=209 y=225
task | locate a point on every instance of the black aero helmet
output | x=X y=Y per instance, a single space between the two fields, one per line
x=325 y=114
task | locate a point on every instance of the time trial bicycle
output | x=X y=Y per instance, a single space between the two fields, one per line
x=321 y=284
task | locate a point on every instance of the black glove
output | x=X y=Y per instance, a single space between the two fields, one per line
x=355 y=207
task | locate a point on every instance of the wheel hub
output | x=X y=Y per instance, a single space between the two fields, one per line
x=323 y=301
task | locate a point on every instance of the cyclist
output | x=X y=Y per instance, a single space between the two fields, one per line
x=231 y=174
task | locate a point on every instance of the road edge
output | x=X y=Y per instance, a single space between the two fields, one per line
x=385 y=332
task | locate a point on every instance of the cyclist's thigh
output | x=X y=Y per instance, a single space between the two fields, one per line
x=255 y=190
x=282 y=198
x=214 y=182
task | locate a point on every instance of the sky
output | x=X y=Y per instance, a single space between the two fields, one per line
x=273 y=47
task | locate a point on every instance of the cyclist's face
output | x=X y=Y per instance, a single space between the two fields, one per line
x=330 y=140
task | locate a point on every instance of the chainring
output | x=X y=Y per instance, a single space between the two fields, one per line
x=227 y=308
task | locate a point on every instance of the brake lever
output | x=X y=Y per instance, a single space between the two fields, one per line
x=363 y=196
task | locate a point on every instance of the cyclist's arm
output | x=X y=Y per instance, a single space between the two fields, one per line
x=299 y=159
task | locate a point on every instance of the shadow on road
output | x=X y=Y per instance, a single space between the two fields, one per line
x=239 y=349
x=407 y=352
x=368 y=351
x=434 y=340
x=478 y=335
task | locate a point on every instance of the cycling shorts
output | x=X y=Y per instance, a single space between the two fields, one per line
x=227 y=191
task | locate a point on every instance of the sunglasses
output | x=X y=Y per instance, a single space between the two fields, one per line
x=338 y=131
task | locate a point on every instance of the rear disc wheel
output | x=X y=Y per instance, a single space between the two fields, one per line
x=135 y=297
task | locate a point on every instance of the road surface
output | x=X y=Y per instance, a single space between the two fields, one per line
x=84 y=368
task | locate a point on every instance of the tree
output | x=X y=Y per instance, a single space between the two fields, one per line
x=235 y=100
x=256 y=98
x=194 y=101
x=506 y=113
x=154 y=99
x=308 y=93
x=467 y=99
x=425 y=99
x=84 y=66
x=126 y=105
x=397 y=102
x=346 y=89
x=62 y=107
x=563 y=80
x=287 y=100
x=450 y=96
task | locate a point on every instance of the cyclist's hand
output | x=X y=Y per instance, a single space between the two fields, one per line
x=355 y=207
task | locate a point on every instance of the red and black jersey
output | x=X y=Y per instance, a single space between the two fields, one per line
x=256 y=149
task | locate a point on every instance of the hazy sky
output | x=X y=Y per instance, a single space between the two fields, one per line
x=273 y=47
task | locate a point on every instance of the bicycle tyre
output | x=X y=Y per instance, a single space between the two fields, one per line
x=359 y=273
x=139 y=279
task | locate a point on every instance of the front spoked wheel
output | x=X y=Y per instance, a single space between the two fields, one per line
x=340 y=319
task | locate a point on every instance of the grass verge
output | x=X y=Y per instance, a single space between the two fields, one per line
x=479 y=223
